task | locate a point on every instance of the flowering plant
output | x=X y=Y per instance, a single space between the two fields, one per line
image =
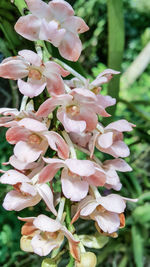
x=47 y=139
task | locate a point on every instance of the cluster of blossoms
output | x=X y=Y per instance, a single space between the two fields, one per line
x=76 y=104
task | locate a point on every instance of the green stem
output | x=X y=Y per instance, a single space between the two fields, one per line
x=71 y=262
x=21 y=5
x=68 y=216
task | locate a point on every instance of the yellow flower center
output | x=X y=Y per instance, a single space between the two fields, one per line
x=35 y=74
x=73 y=110
x=34 y=139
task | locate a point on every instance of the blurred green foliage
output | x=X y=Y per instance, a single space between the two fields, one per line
x=132 y=246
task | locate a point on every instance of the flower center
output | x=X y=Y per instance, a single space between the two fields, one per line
x=34 y=139
x=73 y=110
x=100 y=208
x=34 y=74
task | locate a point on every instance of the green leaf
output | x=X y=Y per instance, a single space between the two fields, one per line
x=142 y=214
x=137 y=242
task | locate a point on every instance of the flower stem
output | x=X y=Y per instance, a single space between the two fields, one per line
x=68 y=216
x=70 y=144
x=71 y=70
x=61 y=209
x=23 y=103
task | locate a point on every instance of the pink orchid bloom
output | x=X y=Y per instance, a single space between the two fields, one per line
x=40 y=74
x=112 y=178
x=28 y=192
x=47 y=234
x=76 y=175
x=53 y=22
x=32 y=139
x=110 y=139
x=102 y=78
x=106 y=211
x=79 y=109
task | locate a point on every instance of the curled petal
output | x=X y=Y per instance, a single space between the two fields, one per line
x=80 y=167
x=105 y=140
x=75 y=25
x=61 y=9
x=52 y=67
x=55 y=85
x=120 y=126
x=13 y=177
x=25 y=152
x=41 y=246
x=118 y=164
x=32 y=125
x=30 y=56
x=32 y=87
x=57 y=143
x=16 y=134
x=45 y=223
x=39 y=8
x=109 y=222
x=13 y=69
x=113 y=203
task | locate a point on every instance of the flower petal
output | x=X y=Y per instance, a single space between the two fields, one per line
x=113 y=203
x=70 y=47
x=105 y=140
x=25 y=152
x=41 y=246
x=16 y=201
x=30 y=56
x=31 y=88
x=80 y=167
x=39 y=8
x=55 y=85
x=118 y=164
x=61 y=9
x=44 y=223
x=13 y=177
x=28 y=27
x=16 y=134
x=14 y=68
x=75 y=25
x=120 y=126
x=32 y=125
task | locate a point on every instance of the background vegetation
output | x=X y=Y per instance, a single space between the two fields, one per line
x=119 y=31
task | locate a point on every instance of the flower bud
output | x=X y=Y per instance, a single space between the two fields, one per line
x=88 y=259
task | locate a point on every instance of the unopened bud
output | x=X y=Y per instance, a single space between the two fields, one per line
x=88 y=259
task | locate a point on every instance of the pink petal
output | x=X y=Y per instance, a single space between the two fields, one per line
x=50 y=31
x=13 y=177
x=75 y=25
x=89 y=208
x=19 y=165
x=58 y=144
x=121 y=126
x=25 y=152
x=41 y=246
x=61 y=9
x=28 y=27
x=52 y=67
x=46 y=194
x=31 y=88
x=32 y=125
x=83 y=95
x=104 y=77
x=16 y=201
x=14 y=68
x=106 y=100
x=16 y=134
x=89 y=117
x=39 y=8
x=50 y=104
x=119 y=149
x=108 y=222
x=105 y=140
x=48 y=173
x=69 y=124
x=28 y=189
x=80 y=167
x=55 y=85
x=46 y=224
x=78 y=189
x=98 y=178
x=118 y=164
x=113 y=203
x=70 y=47
x=30 y=56
x=80 y=139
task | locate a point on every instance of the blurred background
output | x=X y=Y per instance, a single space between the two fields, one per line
x=119 y=38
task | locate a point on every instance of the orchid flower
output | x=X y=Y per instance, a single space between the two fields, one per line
x=76 y=175
x=79 y=109
x=27 y=192
x=32 y=139
x=40 y=74
x=53 y=22
x=45 y=235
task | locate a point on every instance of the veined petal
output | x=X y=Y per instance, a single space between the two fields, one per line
x=19 y=165
x=120 y=126
x=48 y=173
x=109 y=222
x=105 y=140
x=41 y=246
x=28 y=189
x=118 y=164
x=28 y=27
x=113 y=203
x=52 y=67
